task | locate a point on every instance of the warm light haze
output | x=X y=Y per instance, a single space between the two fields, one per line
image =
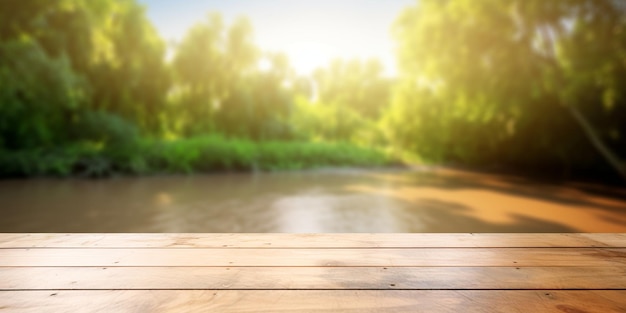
x=311 y=33
x=313 y=116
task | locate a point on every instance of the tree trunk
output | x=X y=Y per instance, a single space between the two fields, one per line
x=590 y=132
x=597 y=143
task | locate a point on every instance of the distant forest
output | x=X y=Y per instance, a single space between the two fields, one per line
x=534 y=86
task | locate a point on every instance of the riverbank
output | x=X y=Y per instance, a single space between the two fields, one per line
x=348 y=200
x=188 y=155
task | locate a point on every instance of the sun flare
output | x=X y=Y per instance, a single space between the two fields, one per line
x=306 y=56
x=311 y=34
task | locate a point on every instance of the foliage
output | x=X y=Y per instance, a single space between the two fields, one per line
x=196 y=154
x=355 y=85
x=349 y=100
x=208 y=65
x=315 y=120
x=501 y=82
x=38 y=97
x=86 y=89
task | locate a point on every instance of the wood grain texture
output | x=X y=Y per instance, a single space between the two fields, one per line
x=259 y=301
x=310 y=240
x=571 y=273
x=301 y=278
x=315 y=257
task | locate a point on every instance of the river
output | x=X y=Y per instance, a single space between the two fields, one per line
x=329 y=201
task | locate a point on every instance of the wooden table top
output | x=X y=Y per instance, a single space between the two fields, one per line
x=570 y=273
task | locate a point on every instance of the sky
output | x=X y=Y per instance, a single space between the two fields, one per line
x=311 y=33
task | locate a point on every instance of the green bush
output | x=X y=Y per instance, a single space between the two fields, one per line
x=190 y=155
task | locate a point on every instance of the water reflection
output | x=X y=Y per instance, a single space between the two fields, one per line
x=319 y=212
x=423 y=200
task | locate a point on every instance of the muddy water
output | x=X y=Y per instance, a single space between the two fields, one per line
x=418 y=200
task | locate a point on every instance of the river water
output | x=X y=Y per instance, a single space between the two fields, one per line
x=346 y=200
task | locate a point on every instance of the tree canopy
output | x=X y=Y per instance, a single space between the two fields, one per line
x=526 y=84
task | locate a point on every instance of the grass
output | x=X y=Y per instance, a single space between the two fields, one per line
x=191 y=155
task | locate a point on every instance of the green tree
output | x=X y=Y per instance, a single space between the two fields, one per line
x=39 y=96
x=209 y=63
x=109 y=46
x=259 y=102
x=359 y=85
x=127 y=70
x=513 y=79
x=349 y=97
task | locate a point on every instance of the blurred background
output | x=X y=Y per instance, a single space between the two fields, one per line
x=302 y=116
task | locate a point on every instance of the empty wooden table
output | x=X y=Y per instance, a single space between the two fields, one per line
x=570 y=273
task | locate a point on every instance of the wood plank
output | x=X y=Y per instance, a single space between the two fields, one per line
x=316 y=257
x=373 y=278
x=309 y=240
x=607 y=240
x=238 y=301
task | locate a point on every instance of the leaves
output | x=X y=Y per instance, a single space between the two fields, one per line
x=503 y=63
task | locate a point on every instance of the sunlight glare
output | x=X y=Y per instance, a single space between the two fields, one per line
x=264 y=65
x=306 y=56
x=311 y=34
